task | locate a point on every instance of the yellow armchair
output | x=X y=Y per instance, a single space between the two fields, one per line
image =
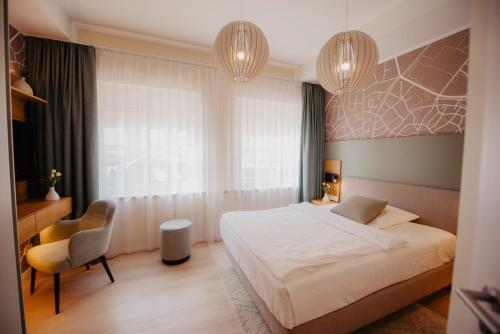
x=70 y=244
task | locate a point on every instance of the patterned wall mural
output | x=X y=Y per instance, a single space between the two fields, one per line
x=17 y=50
x=422 y=92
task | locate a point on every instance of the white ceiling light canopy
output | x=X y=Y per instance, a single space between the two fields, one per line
x=346 y=61
x=241 y=49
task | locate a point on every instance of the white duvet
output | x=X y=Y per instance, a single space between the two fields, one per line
x=297 y=238
x=305 y=261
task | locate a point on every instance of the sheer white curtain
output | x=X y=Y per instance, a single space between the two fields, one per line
x=262 y=122
x=179 y=140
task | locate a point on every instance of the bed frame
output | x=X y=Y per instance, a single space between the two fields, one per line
x=436 y=207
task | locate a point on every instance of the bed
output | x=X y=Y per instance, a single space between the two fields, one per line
x=316 y=288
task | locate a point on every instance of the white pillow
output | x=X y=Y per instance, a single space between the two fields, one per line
x=392 y=216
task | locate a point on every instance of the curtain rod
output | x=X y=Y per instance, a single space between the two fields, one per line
x=176 y=60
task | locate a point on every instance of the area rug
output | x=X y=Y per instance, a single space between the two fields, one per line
x=412 y=319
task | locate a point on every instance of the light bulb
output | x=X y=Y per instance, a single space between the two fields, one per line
x=345 y=66
x=240 y=55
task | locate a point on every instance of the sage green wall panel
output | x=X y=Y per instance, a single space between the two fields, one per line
x=434 y=161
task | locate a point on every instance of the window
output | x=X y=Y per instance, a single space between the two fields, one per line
x=173 y=128
x=152 y=143
x=270 y=143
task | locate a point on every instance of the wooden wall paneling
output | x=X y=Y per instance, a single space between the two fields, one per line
x=18 y=113
x=21 y=191
x=335 y=167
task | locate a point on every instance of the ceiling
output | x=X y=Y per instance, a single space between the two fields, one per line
x=295 y=29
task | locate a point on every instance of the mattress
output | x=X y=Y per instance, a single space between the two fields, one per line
x=324 y=288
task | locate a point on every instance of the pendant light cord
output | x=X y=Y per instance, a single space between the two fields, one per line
x=241 y=11
x=346 y=12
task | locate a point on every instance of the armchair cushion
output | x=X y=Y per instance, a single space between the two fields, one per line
x=61 y=230
x=51 y=257
x=91 y=221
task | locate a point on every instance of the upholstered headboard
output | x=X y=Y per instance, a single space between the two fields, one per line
x=436 y=207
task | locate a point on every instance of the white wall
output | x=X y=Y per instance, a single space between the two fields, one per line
x=137 y=43
x=478 y=244
x=42 y=18
x=10 y=302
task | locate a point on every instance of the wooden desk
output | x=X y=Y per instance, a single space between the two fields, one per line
x=35 y=215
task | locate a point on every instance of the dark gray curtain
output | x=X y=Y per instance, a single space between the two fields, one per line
x=66 y=128
x=312 y=141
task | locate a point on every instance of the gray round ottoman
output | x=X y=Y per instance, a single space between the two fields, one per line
x=175 y=241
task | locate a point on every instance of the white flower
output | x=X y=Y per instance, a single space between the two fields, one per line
x=52 y=175
x=53 y=171
x=58 y=174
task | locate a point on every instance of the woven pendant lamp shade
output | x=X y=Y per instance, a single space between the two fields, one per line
x=241 y=50
x=346 y=61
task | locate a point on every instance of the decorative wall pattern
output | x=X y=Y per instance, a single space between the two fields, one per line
x=17 y=51
x=422 y=92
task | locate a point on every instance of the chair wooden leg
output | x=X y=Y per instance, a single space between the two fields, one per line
x=56 y=291
x=105 y=265
x=33 y=278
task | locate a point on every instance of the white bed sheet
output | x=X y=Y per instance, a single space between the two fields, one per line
x=332 y=286
x=301 y=237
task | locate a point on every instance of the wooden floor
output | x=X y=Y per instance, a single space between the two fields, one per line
x=147 y=297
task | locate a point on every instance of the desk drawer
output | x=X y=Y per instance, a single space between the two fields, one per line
x=26 y=228
x=53 y=214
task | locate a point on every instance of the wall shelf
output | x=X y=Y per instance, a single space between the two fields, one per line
x=19 y=98
x=24 y=96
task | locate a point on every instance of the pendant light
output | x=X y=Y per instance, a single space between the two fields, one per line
x=346 y=60
x=241 y=49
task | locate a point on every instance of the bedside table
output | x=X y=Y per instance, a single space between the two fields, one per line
x=319 y=201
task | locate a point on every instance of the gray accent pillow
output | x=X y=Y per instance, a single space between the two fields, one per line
x=360 y=209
